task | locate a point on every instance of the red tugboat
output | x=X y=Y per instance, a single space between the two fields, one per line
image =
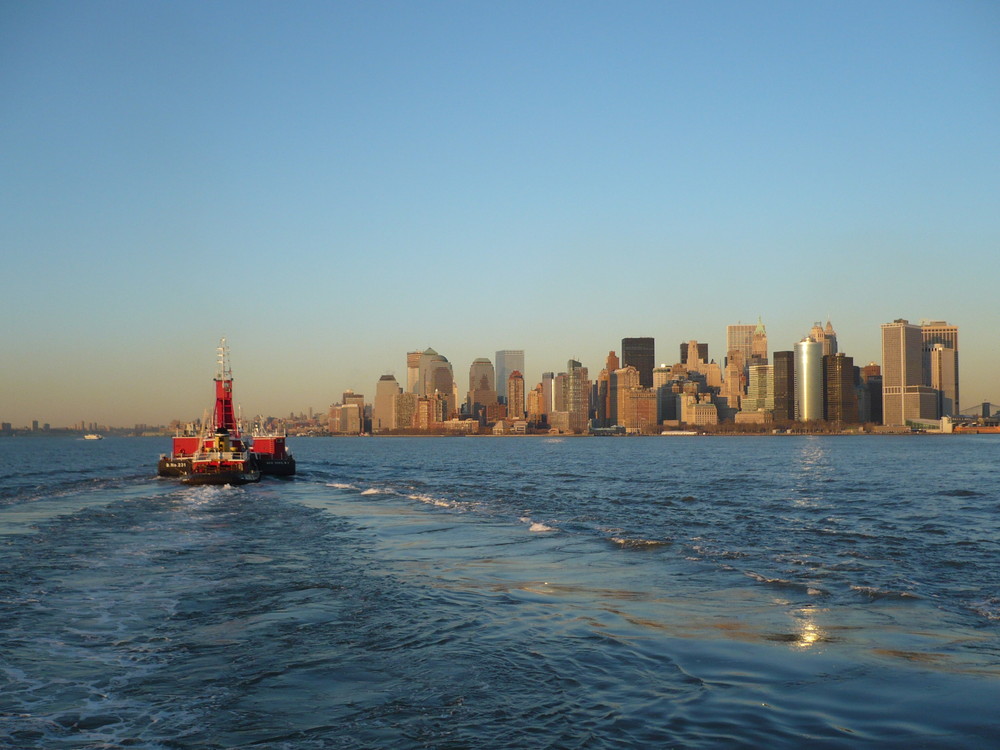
x=219 y=454
x=271 y=453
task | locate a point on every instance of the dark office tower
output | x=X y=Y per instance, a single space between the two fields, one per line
x=639 y=353
x=871 y=381
x=702 y=352
x=840 y=396
x=784 y=386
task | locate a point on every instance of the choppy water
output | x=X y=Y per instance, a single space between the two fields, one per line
x=479 y=592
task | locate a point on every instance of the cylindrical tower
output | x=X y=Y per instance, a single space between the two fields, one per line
x=808 y=380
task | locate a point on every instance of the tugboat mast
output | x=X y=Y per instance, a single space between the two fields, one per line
x=225 y=418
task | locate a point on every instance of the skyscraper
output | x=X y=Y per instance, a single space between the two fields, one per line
x=350 y=398
x=603 y=406
x=871 y=383
x=412 y=371
x=760 y=389
x=482 y=387
x=758 y=344
x=942 y=376
x=383 y=411
x=623 y=381
x=808 y=380
x=827 y=337
x=508 y=360
x=639 y=352
x=548 y=392
x=577 y=396
x=784 y=386
x=436 y=377
x=700 y=352
x=840 y=395
x=904 y=396
x=515 y=395
x=740 y=338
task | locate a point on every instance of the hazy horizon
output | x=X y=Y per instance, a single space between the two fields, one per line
x=332 y=185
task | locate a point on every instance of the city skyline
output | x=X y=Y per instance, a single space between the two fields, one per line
x=430 y=371
x=330 y=186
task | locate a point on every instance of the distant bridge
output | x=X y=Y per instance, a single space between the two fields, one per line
x=985 y=409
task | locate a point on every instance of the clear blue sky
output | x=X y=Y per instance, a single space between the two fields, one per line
x=332 y=184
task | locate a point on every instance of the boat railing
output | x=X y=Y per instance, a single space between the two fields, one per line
x=221 y=456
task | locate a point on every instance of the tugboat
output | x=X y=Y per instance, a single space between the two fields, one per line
x=218 y=454
x=271 y=453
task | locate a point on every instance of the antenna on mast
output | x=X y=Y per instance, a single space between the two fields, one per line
x=224 y=371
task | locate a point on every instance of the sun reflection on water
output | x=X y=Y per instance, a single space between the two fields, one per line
x=807 y=629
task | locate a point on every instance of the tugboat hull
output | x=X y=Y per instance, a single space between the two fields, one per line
x=275 y=467
x=222 y=477
x=173 y=467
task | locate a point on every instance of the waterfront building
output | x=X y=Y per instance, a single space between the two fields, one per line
x=559 y=421
x=507 y=360
x=840 y=394
x=904 y=395
x=808 y=380
x=943 y=374
x=698 y=409
x=346 y=419
x=515 y=395
x=383 y=414
x=638 y=412
x=639 y=353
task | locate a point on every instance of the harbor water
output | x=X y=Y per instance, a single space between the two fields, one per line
x=689 y=592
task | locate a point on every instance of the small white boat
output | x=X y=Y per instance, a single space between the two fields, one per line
x=93 y=436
